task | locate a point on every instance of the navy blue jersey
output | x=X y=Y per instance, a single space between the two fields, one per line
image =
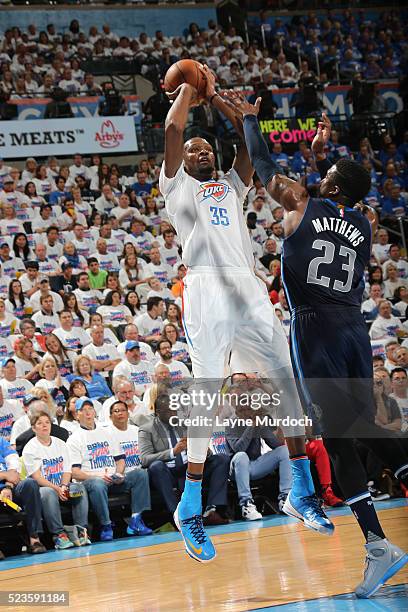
x=324 y=259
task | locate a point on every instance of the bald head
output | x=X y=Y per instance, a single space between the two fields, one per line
x=199 y=159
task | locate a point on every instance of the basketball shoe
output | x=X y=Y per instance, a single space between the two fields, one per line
x=383 y=560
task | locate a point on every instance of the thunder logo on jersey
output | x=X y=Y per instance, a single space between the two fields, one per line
x=214 y=190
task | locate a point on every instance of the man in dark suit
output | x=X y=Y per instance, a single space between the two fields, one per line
x=163 y=447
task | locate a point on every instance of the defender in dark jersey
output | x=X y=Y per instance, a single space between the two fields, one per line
x=326 y=250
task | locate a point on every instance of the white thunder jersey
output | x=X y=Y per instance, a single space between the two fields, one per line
x=208 y=218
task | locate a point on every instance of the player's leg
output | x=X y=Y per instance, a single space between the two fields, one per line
x=349 y=414
x=260 y=345
x=384 y=559
x=207 y=327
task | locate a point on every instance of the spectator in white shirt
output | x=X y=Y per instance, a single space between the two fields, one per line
x=139 y=372
x=72 y=338
x=386 y=325
x=178 y=371
x=104 y=357
x=10 y=412
x=84 y=246
x=107 y=201
x=88 y=299
x=78 y=169
x=131 y=332
x=13 y=387
x=393 y=281
x=395 y=258
x=158 y=289
x=399 y=383
x=124 y=391
x=99 y=463
x=45 y=319
x=47 y=461
x=382 y=246
x=125 y=434
x=44 y=291
x=150 y=324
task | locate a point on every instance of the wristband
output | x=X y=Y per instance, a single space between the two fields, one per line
x=212 y=98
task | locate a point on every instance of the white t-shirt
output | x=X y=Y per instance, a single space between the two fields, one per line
x=129 y=445
x=88 y=299
x=161 y=271
x=178 y=370
x=58 y=304
x=381 y=251
x=74 y=339
x=10 y=412
x=382 y=328
x=140 y=375
x=101 y=353
x=148 y=326
x=114 y=315
x=45 y=323
x=170 y=256
x=52 y=460
x=19 y=427
x=15 y=389
x=208 y=217
x=94 y=451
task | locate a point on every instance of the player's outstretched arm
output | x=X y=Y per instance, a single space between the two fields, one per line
x=257 y=148
x=184 y=96
x=242 y=164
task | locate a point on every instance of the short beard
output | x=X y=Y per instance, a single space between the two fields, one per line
x=203 y=173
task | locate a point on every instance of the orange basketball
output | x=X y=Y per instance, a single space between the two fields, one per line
x=185 y=71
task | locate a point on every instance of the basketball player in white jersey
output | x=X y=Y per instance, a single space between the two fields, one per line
x=227 y=311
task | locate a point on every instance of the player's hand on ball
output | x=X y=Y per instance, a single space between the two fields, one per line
x=240 y=104
x=184 y=87
x=210 y=79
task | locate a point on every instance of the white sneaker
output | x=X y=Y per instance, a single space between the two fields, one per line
x=249 y=511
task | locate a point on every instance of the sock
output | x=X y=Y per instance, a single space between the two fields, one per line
x=363 y=509
x=302 y=484
x=190 y=504
x=194 y=477
x=402 y=474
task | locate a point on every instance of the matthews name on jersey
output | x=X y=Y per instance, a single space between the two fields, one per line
x=325 y=257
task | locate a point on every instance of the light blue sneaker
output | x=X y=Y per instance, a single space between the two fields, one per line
x=137 y=527
x=308 y=509
x=62 y=541
x=383 y=560
x=198 y=545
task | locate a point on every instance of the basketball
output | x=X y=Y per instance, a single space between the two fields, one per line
x=185 y=71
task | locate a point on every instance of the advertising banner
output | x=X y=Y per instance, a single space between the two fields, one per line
x=67 y=136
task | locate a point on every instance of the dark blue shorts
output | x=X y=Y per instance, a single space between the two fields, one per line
x=332 y=358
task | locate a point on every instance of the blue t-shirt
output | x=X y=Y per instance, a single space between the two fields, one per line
x=5 y=451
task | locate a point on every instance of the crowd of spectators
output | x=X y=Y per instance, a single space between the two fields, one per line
x=33 y=62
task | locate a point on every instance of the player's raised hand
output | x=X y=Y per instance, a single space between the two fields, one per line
x=237 y=101
x=322 y=135
x=172 y=95
x=210 y=79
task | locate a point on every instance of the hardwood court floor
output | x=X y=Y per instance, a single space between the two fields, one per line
x=269 y=563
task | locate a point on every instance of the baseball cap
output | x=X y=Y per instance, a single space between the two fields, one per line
x=131 y=344
x=5 y=361
x=27 y=399
x=3 y=244
x=65 y=266
x=80 y=403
